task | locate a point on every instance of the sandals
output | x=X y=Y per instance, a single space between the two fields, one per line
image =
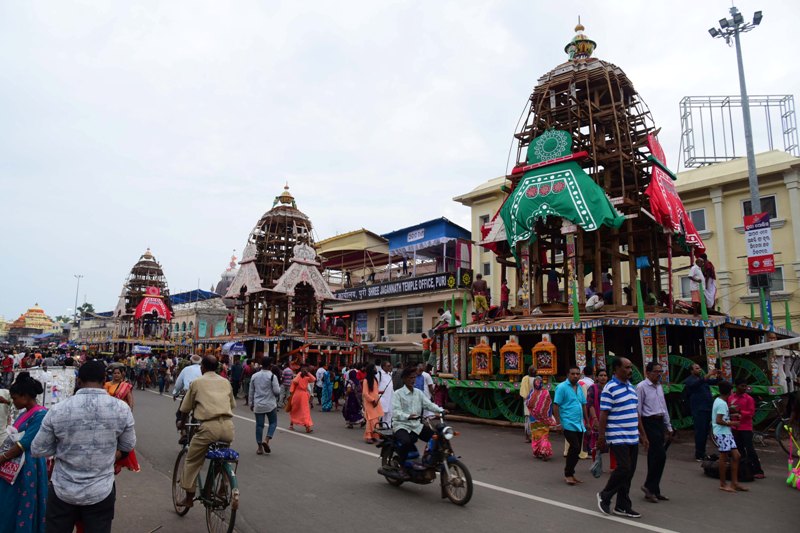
x=309 y=430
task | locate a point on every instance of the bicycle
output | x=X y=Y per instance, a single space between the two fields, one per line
x=778 y=428
x=219 y=494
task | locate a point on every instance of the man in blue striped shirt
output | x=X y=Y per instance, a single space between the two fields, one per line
x=621 y=427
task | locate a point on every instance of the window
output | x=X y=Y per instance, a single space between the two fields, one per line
x=483 y=220
x=698 y=217
x=486 y=269
x=776 y=283
x=414 y=320
x=381 y=324
x=685 y=291
x=768 y=205
x=394 y=322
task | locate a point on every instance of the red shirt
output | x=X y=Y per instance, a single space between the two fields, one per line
x=426 y=344
x=746 y=408
x=8 y=365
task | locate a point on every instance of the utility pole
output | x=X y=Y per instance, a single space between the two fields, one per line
x=77 y=288
x=731 y=29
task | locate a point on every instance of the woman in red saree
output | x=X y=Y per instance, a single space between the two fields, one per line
x=541 y=419
x=122 y=390
x=301 y=412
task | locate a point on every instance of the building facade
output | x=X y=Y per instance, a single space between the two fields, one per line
x=717 y=197
x=391 y=286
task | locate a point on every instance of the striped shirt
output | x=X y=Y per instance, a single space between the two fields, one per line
x=621 y=402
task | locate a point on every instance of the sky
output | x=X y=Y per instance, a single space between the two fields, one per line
x=173 y=125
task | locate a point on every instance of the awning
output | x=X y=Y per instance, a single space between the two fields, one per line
x=234 y=348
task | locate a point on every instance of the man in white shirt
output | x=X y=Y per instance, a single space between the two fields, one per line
x=697 y=283
x=386 y=390
x=187 y=375
x=424 y=382
x=595 y=303
x=320 y=375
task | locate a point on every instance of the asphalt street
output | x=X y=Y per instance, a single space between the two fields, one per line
x=328 y=481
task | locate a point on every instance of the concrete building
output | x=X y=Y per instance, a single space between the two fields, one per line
x=197 y=315
x=94 y=329
x=484 y=202
x=717 y=197
x=392 y=284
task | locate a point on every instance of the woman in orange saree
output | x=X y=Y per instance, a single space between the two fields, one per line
x=372 y=405
x=301 y=412
x=122 y=390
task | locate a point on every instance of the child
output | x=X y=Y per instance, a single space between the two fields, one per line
x=721 y=425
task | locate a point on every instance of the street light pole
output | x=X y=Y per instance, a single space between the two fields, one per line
x=731 y=28
x=77 y=288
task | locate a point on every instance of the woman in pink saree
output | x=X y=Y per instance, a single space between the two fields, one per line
x=540 y=420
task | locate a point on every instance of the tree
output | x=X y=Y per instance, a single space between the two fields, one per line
x=63 y=319
x=85 y=308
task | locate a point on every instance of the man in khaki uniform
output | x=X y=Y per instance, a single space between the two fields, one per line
x=211 y=398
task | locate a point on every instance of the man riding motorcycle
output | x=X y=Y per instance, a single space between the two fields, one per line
x=408 y=404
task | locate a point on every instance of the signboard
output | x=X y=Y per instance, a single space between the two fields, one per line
x=361 y=322
x=416 y=235
x=141 y=350
x=422 y=284
x=758 y=238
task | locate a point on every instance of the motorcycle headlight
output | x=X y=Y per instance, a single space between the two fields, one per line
x=448 y=432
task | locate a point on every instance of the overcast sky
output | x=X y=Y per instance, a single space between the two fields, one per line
x=174 y=124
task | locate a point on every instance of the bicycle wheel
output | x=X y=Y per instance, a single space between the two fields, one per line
x=222 y=500
x=784 y=438
x=458 y=488
x=178 y=494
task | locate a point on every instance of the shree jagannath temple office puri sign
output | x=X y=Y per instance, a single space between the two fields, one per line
x=420 y=284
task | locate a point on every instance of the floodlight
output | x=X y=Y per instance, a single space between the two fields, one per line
x=738 y=18
x=757 y=18
x=713 y=32
x=723 y=23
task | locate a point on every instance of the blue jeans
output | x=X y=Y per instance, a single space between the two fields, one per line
x=272 y=416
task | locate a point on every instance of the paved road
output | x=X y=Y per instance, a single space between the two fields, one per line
x=328 y=480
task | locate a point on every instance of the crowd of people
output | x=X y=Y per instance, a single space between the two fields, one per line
x=604 y=413
x=598 y=413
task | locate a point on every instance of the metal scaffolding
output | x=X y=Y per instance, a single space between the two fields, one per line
x=710 y=130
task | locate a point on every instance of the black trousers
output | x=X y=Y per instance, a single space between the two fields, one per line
x=574 y=439
x=96 y=518
x=744 y=442
x=656 y=454
x=702 y=423
x=405 y=441
x=235 y=384
x=619 y=483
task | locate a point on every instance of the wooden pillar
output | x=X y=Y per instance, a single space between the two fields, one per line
x=646 y=336
x=599 y=343
x=580 y=348
x=616 y=274
x=580 y=268
x=633 y=273
x=725 y=344
x=535 y=275
x=598 y=261
x=711 y=348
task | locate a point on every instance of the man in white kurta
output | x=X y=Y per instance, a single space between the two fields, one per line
x=386 y=390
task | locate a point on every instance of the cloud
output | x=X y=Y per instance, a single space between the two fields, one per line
x=174 y=124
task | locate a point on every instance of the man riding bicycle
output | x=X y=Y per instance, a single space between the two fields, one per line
x=211 y=399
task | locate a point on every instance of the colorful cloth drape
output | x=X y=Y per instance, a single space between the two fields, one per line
x=24 y=502
x=556 y=186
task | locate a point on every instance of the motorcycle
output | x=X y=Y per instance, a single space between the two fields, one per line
x=438 y=457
